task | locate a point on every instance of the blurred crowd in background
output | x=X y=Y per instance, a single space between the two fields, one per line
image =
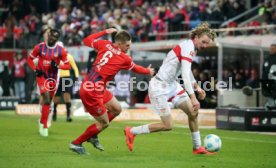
x=21 y=21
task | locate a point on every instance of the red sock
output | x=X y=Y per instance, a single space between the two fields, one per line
x=90 y=131
x=44 y=115
x=110 y=116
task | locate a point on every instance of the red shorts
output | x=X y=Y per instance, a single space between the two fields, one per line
x=94 y=102
x=47 y=85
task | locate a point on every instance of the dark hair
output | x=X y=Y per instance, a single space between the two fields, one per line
x=122 y=36
x=55 y=33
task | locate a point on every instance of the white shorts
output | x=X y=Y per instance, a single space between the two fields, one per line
x=161 y=93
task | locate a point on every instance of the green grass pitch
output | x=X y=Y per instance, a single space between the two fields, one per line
x=22 y=147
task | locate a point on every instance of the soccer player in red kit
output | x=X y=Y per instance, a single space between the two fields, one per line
x=49 y=55
x=97 y=100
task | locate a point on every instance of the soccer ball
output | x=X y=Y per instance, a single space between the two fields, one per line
x=212 y=143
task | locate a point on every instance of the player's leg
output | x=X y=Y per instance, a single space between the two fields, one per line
x=67 y=98
x=45 y=108
x=45 y=113
x=162 y=108
x=53 y=106
x=92 y=130
x=40 y=125
x=50 y=117
x=56 y=101
x=47 y=94
x=165 y=125
x=186 y=105
x=40 y=100
x=159 y=99
x=40 y=90
x=93 y=104
x=113 y=110
x=112 y=105
x=67 y=101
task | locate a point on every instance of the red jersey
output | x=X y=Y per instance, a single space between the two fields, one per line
x=46 y=55
x=110 y=60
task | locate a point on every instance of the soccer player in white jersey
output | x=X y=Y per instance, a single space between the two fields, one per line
x=164 y=88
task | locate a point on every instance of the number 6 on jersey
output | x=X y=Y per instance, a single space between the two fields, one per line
x=105 y=59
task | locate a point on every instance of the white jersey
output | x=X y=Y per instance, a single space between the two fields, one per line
x=178 y=61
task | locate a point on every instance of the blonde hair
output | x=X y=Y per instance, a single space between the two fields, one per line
x=203 y=29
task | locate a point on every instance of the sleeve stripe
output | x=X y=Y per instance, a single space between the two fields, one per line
x=187 y=59
x=177 y=51
x=132 y=66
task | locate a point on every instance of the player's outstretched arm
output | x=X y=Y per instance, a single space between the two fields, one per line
x=88 y=41
x=64 y=66
x=31 y=57
x=200 y=91
x=31 y=63
x=152 y=71
x=186 y=68
x=142 y=70
x=64 y=62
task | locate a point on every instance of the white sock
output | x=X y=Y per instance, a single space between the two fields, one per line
x=144 y=129
x=196 y=140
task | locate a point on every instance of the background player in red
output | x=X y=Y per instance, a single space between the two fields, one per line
x=97 y=100
x=49 y=54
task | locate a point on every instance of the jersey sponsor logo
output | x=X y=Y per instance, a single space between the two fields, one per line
x=46 y=62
